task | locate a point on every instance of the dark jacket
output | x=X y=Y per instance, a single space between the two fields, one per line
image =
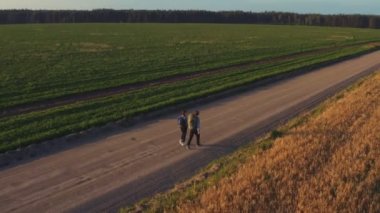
x=182 y=121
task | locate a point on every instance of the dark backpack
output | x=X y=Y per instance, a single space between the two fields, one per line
x=182 y=121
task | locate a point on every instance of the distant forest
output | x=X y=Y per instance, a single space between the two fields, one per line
x=183 y=16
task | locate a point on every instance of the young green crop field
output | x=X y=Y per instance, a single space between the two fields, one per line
x=43 y=62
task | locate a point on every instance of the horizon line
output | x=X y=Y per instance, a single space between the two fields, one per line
x=205 y=10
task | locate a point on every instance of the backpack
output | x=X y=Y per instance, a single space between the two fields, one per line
x=182 y=121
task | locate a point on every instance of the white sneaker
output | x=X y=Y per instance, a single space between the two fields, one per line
x=181 y=143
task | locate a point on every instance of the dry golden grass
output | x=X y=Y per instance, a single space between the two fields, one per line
x=331 y=163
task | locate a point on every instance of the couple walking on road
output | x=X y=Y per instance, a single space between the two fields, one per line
x=193 y=123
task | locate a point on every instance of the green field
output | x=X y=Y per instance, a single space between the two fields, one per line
x=42 y=62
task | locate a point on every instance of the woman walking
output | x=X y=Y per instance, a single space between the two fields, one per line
x=194 y=124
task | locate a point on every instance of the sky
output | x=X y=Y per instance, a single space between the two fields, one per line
x=300 y=6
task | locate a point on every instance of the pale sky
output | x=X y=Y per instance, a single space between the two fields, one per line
x=301 y=6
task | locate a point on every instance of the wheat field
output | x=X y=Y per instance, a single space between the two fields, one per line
x=330 y=163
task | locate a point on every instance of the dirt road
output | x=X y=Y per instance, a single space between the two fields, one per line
x=124 y=166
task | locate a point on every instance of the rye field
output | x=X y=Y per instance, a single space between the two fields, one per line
x=58 y=79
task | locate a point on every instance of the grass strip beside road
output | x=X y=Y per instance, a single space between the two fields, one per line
x=23 y=130
x=325 y=160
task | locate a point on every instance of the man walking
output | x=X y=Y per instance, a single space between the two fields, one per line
x=194 y=123
x=182 y=123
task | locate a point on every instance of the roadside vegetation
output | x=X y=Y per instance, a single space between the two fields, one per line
x=324 y=161
x=52 y=61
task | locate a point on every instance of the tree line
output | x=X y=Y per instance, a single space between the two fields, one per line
x=184 y=16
